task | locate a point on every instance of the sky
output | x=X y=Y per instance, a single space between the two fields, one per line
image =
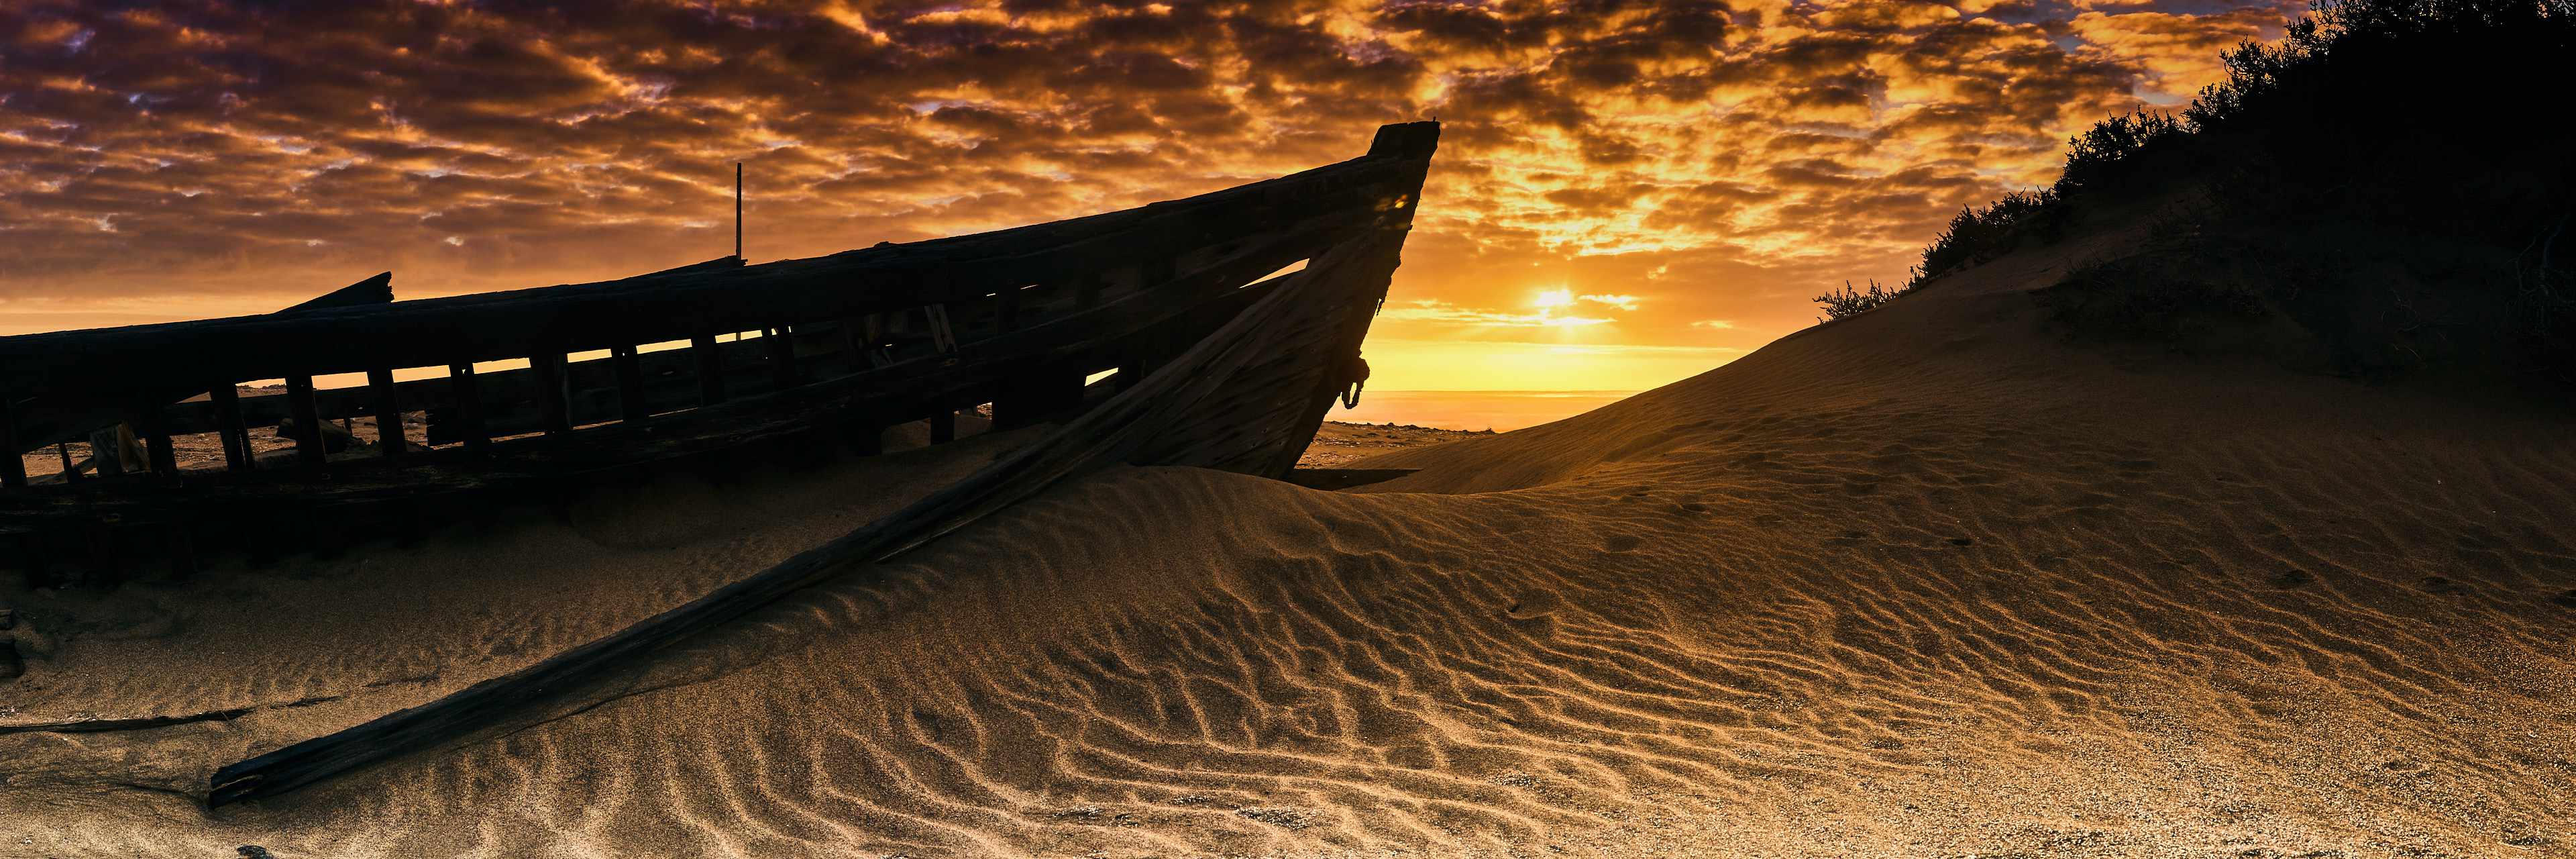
x=1626 y=194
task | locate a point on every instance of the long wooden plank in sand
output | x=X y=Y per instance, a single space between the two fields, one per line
x=1335 y=288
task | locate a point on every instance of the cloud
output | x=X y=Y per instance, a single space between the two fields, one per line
x=2177 y=53
x=1713 y=324
x=1732 y=154
x=1435 y=311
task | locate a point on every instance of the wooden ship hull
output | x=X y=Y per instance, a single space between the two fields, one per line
x=713 y=364
x=1220 y=361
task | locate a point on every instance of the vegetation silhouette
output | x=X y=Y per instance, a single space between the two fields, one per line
x=1853 y=302
x=2393 y=178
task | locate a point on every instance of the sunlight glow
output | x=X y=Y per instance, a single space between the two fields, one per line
x=1408 y=364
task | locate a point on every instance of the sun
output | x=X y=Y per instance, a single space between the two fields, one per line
x=1550 y=301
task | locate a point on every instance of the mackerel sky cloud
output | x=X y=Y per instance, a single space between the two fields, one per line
x=1695 y=160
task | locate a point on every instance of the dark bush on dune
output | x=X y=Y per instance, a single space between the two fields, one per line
x=1974 y=236
x=1977 y=235
x=1853 y=302
x=2445 y=117
x=2393 y=177
x=2109 y=157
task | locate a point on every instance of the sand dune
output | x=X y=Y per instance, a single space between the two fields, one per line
x=1926 y=582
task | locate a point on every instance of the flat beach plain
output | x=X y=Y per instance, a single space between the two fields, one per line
x=1930 y=581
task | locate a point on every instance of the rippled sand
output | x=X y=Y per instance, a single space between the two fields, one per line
x=1927 y=582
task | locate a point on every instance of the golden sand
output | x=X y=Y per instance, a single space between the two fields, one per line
x=1926 y=582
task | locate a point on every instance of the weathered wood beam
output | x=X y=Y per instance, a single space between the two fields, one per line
x=160 y=455
x=631 y=404
x=309 y=447
x=711 y=386
x=469 y=407
x=107 y=451
x=854 y=340
x=226 y=402
x=387 y=405
x=556 y=411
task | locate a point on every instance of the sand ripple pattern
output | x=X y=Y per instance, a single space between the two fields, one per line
x=2017 y=599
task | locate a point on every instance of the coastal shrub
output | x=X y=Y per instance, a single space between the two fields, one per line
x=2390 y=154
x=2424 y=114
x=2386 y=176
x=2107 y=158
x=1979 y=234
x=1852 y=302
x=2113 y=155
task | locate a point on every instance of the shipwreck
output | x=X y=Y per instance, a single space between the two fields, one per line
x=1213 y=331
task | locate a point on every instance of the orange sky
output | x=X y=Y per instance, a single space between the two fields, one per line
x=1626 y=194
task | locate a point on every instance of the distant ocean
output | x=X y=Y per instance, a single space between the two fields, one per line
x=1501 y=411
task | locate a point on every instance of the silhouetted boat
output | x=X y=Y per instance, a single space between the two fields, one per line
x=1222 y=361
x=711 y=363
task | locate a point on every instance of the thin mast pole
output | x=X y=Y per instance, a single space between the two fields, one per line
x=737 y=210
